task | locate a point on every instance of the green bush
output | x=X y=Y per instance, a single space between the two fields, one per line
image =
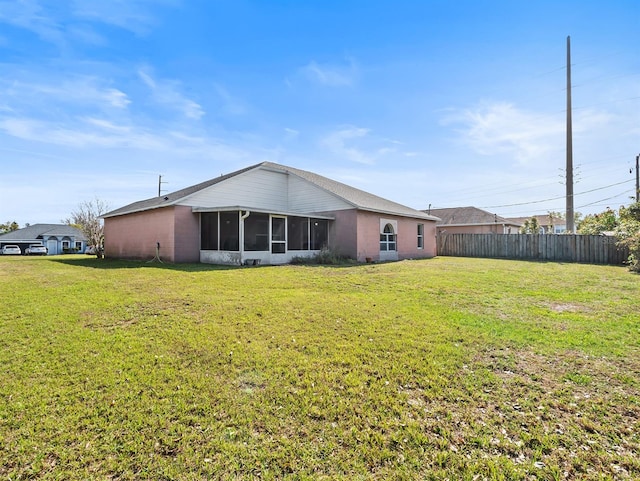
x=326 y=256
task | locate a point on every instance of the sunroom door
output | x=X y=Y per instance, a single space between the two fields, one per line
x=278 y=235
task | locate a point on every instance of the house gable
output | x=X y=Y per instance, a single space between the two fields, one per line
x=267 y=189
x=307 y=197
x=255 y=188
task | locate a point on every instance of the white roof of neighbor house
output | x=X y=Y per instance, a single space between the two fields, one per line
x=357 y=198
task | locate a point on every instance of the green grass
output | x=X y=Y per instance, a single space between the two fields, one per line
x=446 y=368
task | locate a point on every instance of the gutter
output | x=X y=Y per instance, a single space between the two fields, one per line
x=241 y=240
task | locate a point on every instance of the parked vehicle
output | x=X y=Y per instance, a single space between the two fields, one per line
x=11 y=250
x=36 y=250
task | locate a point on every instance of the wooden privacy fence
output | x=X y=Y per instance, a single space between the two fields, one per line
x=591 y=249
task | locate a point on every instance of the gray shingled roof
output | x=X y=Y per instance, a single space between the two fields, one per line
x=172 y=198
x=36 y=231
x=468 y=216
x=356 y=197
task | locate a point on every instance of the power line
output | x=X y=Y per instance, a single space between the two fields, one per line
x=555 y=198
x=602 y=200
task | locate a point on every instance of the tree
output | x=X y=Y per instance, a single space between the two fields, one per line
x=554 y=217
x=87 y=218
x=624 y=224
x=530 y=226
x=9 y=226
x=628 y=233
x=596 y=224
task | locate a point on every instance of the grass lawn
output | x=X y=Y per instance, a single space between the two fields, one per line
x=449 y=368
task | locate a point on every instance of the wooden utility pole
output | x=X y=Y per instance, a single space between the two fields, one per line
x=637 y=179
x=569 y=213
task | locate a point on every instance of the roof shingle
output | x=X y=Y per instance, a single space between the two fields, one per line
x=356 y=197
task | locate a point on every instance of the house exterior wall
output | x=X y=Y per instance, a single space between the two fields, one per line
x=343 y=233
x=368 y=234
x=368 y=225
x=353 y=233
x=134 y=236
x=186 y=235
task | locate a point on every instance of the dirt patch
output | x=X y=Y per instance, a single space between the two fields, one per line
x=565 y=307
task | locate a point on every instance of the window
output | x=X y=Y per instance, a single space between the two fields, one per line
x=319 y=234
x=420 y=236
x=388 y=239
x=209 y=231
x=278 y=235
x=78 y=245
x=65 y=244
x=230 y=231
x=256 y=232
x=297 y=233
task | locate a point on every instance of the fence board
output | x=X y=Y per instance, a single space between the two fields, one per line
x=590 y=249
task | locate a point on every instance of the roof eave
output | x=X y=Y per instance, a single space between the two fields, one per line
x=115 y=213
x=232 y=208
x=417 y=215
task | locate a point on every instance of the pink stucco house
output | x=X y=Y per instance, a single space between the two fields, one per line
x=268 y=213
x=472 y=220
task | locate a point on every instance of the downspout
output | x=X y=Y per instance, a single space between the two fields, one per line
x=242 y=218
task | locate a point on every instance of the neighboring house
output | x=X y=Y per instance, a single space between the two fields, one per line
x=548 y=224
x=471 y=220
x=267 y=213
x=57 y=238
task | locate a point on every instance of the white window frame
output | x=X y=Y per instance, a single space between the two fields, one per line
x=278 y=242
x=420 y=236
x=388 y=239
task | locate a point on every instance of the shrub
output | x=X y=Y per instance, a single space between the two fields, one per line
x=326 y=256
x=628 y=233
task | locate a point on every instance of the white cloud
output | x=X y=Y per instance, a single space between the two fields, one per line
x=107 y=125
x=134 y=15
x=80 y=91
x=331 y=75
x=291 y=133
x=337 y=143
x=87 y=35
x=58 y=22
x=500 y=128
x=357 y=144
x=167 y=93
x=31 y=15
x=117 y=98
x=231 y=104
x=85 y=133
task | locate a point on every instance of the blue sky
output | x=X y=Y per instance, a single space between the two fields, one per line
x=430 y=102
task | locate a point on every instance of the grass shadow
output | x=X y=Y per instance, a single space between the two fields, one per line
x=114 y=264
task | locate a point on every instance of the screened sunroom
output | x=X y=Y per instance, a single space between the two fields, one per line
x=243 y=236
